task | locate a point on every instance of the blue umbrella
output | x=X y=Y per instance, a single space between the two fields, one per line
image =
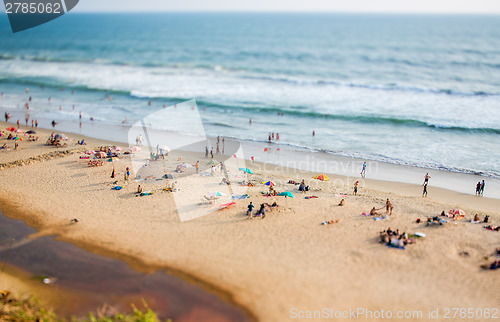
x=286 y=194
x=246 y=170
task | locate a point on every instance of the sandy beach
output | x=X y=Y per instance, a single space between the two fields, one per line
x=278 y=268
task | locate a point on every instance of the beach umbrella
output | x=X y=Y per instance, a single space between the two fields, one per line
x=118 y=148
x=135 y=149
x=165 y=148
x=227 y=205
x=168 y=176
x=12 y=129
x=100 y=154
x=246 y=170
x=286 y=194
x=215 y=194
x=31 y=132
x=322 y=177
x=19 y=131
x=90 y=152
x=268 y=183
x=17 y=138
x=211 y=162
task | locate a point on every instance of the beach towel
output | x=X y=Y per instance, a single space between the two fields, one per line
x=146 y=193
x=365 y=214
x=394 y=246
x=117 y=188
x=381 y=218
x=311 y=197
x=239 y=197
x=334 y=221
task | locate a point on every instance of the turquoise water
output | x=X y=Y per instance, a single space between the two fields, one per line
x=407 y=89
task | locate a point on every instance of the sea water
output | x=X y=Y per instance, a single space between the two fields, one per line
x=421 y=90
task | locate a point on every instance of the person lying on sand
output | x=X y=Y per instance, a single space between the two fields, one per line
x=271 y=206
x=494 y=265
x=435 y=221
x=4 y=147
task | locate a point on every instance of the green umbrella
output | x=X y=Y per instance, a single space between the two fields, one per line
x=286 y=194
x=211 y=162
x=246 y=170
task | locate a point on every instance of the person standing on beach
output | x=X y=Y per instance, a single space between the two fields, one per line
x=478 y=188
x=388 y=206
x=197 y=165
x=363 y=171
x=127 y=173
x=206 y=151
x=250 y=209
x=482 y=187
x=424 y=193
x=426 y=179
x=212 y=153
x=36 y=124
x=113 y=173
x=356 y=188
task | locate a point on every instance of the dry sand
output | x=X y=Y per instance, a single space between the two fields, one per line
x=285 y=263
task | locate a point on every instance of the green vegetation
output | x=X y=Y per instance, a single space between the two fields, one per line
x=30 y=309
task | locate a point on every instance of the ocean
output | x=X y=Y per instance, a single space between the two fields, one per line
x=419 y=90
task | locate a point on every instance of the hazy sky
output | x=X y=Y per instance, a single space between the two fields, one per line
x=410 y=6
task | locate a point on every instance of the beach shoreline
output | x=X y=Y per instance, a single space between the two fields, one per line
x=272 y=154
x=125 y=233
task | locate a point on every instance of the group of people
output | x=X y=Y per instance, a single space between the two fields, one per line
x=262 y=210
x=389 y=206
x=394 y=239
x=272 y=136
x=480 y=188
